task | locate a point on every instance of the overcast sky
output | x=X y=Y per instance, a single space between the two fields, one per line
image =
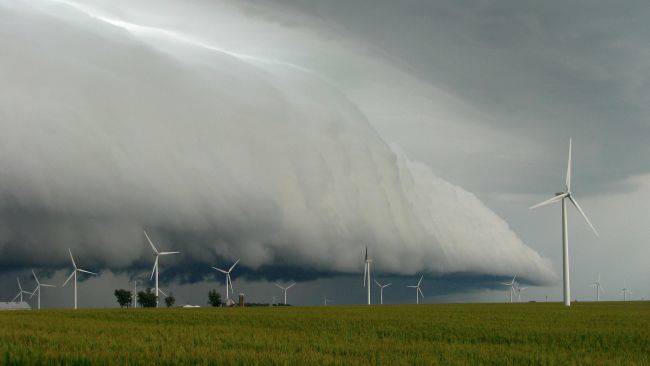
x=292 y=133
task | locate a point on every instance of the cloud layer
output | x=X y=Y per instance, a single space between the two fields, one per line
x=111 y=125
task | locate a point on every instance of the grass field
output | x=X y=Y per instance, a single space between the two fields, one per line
x=590 y=334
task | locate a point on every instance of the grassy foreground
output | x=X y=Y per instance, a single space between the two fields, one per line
x=605 y=333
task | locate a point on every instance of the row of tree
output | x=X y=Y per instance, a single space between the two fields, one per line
x=147 y=298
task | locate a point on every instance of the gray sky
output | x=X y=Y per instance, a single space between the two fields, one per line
x=291 y=133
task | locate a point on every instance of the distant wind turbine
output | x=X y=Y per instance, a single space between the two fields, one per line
x=598 y=287
x=285 y=290
x=511 y=286
x=366 y=274
x=155 y=269
x=38 y=289
x=228 y=279
x=418 y=290
x=20 y=292
x=519 y=290
x=326 y=301
x=381 y=292
x=561 y=197
x=74 y=274
x=134 y=299
x=626 y=291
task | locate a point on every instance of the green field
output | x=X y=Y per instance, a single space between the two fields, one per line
x=590 y=334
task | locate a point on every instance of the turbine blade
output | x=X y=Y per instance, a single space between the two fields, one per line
x=17 y=296
x=420 y=281
x=557 y=198
x=575 y=203
x=420 y=291
x=69 y=278
x=378 y=284
x=387 y=285
x=568 y=170
x=71 y=257
x=19 y=286
x=46 y=285
x=290 y=286
x=233 y=266
x=220 y=270
x=411 y=286
x=161 y=291
x=84 y=271
x=279 y=286
x=34 y=292
x=365 y=272
x=153 y=270
x=168 y=253
x=155 y=250
x=36 y=278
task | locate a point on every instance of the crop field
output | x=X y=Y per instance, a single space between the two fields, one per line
x=542 y=333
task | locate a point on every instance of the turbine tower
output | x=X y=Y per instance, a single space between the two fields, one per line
x=154 y=271
x=20 y=292
x=38 y=289
x=562 y=197
x=285 y=290
x=381 y=292
x=418 y=290
x=74 y=274
x=228 y=279
x=598 y=287
x=366 y=274
x=511 y=286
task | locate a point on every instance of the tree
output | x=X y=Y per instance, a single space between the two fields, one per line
x=124 y=297
x=147 y=299
x=214 y=298
x=169 y=301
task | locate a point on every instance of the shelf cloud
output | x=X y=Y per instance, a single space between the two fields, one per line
x=115 y=121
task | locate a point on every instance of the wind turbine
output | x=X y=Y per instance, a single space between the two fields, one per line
x=626 y=291
x=38 y=289
x=381 y=291
x=598 y=287
x=418 y=290
x=366 y=274
x=512 y=285
x=20 y=292
x=74 y=274
x=228 y=279
x=285 y=290
x=519 y=290
x=326 y=301
x=154 y=271
x=561 y=197
x=134 y=299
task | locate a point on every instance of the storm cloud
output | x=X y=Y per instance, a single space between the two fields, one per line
x=112 y=124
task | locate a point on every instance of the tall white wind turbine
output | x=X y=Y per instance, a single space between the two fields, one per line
x=20 y=292
x=366 y=274
x=285 y=290
x=228 y=278
x=511 y=286
x=562 y=197
x=381 y=291
x=38 y=289
x=418 y=290
x=598 y=287
x=74 y=274
x=154 y=271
